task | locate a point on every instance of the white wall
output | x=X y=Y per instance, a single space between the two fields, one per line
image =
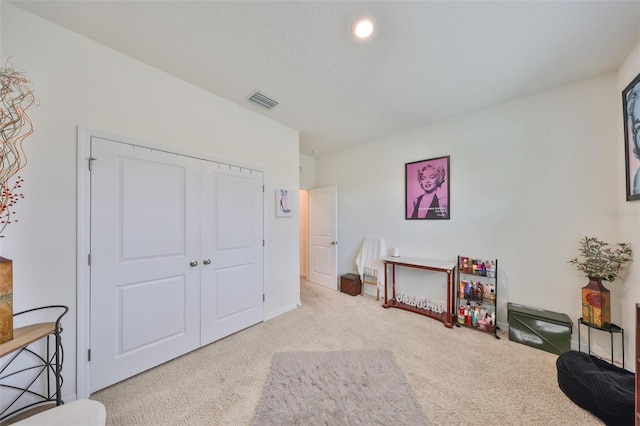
x=529 y=178
x=79 y=82
x=307 y=172
x=629 y=217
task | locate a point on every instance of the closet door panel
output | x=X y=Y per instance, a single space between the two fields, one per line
x=232 y=252
x=145 y=296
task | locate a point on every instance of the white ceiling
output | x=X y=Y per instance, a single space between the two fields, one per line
x=427 y=60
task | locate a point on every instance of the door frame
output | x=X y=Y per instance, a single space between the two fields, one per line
x=83 y=240
x=83 y=273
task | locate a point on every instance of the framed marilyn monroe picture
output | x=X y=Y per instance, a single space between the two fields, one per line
x=631 y=112
x=427 y=189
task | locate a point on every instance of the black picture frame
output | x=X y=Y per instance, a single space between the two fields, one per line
x=631 y=114
x=426 y=189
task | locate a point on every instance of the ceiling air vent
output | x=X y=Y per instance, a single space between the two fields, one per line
x=262 y=100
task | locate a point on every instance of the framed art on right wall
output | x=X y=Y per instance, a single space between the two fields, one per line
x=426 y=186
x=631 y=111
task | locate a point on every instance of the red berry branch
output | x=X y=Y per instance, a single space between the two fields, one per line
x=9 y=197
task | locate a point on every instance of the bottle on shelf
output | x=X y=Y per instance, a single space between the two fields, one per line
x=492 y=270
x=467 y=313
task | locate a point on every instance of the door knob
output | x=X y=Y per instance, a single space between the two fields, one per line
x=333 y=243
x=207 y=261
x=193 y=263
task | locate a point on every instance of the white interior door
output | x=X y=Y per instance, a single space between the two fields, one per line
x=323 y=239
x=145 y=220
x=232 y=250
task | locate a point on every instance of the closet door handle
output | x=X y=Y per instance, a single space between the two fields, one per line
x=207 y=261
x=193 y=263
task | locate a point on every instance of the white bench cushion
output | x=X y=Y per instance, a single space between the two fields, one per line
x=83 y=412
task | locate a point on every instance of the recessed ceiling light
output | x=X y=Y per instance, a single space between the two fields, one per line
x=362 y=28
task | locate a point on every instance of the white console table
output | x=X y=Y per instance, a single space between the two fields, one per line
x=425 y=264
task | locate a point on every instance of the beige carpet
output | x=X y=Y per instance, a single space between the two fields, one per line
x=460 y=376
x=337 y=388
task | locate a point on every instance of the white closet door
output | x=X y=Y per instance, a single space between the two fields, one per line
x=145 y=296
x=232 y=250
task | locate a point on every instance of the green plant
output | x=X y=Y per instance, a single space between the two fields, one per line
x=602 y=260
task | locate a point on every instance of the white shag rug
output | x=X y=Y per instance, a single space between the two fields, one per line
x=337 y=388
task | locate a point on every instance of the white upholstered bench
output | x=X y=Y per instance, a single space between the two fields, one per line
x=83 y=412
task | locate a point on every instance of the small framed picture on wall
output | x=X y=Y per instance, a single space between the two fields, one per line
x=283 y=203
x=631 y=111
x=427 y=189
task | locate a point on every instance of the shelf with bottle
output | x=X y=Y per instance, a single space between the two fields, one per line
x=483 y=268
x=475 y=315
x=477 y=291
x=476 y=298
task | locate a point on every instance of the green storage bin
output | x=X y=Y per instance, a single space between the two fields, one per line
x=545 y=330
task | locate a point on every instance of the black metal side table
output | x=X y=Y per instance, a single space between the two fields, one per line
x=611 y=330
x=39 y=366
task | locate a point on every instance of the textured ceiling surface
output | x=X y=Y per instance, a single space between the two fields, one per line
x=427 y=60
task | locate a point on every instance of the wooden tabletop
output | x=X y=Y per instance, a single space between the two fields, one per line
x=442 y=265
x=24 y=336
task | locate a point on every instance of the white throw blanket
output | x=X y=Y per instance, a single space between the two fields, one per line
x=369 y=259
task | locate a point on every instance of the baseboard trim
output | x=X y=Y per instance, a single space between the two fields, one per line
x=281 y=311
